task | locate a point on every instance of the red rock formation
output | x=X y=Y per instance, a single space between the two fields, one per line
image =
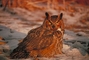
x=31 y=4
x=83 y=2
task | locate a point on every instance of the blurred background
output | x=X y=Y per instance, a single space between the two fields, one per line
x=31 y=12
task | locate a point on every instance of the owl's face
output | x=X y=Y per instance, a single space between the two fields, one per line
x=53 y=22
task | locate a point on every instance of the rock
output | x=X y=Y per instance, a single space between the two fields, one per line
x=1 y=38
x=2 y=42
x=3 y=58
x=11 y=31
x=1 y=29
x=1 y=52
x=4 y=50
x=81 y=34
x=20 y=41
x=78 y=34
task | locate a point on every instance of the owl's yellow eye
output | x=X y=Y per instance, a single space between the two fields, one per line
x=49 y=23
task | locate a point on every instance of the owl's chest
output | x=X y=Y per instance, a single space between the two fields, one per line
x=44 y=32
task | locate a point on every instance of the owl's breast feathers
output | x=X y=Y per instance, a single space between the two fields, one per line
x=34 y=42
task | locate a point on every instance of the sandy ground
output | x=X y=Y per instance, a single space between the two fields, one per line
x=14 y=27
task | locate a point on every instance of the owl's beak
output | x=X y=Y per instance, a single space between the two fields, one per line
x=59 y=29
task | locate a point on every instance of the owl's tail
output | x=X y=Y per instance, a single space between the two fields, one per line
x=19 y=53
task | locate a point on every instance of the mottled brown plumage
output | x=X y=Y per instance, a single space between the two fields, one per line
x=43 y=41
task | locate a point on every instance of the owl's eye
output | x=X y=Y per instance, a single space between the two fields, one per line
x=57 y=22
x=49 y=23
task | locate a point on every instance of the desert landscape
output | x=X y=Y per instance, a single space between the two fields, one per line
x=18 y=17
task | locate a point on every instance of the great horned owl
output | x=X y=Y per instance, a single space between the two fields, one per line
x=43 y=41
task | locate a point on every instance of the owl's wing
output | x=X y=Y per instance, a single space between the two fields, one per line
x=37 y=42
x=40 y=43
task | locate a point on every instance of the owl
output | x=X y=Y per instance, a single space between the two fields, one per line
x=43 y=41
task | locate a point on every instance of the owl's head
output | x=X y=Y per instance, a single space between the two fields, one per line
x=52 y=22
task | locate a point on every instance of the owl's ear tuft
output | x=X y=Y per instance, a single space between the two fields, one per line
x=47 y=15
x=61 y=15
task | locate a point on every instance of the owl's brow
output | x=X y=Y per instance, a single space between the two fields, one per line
x=55 y=17
x=52 y=23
